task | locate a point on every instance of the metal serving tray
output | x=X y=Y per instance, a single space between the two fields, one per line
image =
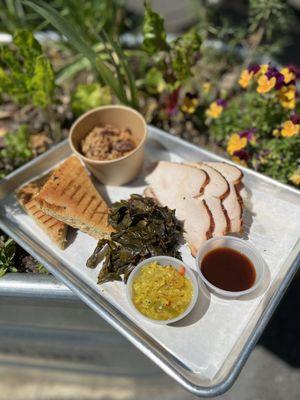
x=272 y=196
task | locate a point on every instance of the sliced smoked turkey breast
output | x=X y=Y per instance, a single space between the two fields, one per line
x=204 y=195
x=178 y=187
x=216 y=189
x=233 y=203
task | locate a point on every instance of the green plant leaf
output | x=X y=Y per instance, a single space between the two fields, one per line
x=7 y=253
x=16 y=151
x=89 y=96
x=130 y=76
x=41 y=269
x=28 y=46
x=111 y=81
x=76 y=40
x=154 y=81
x=42 y=82
x=27 y=76
x=127 y=70
x=63 y=26
x=115 y=65
x=155 y=37
x=3 y=271
x=183 y=52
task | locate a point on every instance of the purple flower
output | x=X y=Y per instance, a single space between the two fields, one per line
x=222 y=103
x=254 y=68
x=295 y=119
x=279 y=81
x=293 y=82
x=242 y=155
x=273 y=72
x=249 y=134
x=191 y=95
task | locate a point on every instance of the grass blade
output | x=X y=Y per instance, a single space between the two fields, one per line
x=130 y=78
x=62 y=25
x=77 y=41
x=116 y=66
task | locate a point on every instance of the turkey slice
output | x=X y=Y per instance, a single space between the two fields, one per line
x=217 y=186
x=177 y=187
x=189 y=180
x=216 y=190
x=232 y=173
x=233 y=203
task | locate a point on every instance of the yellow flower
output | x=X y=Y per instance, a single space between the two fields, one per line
x=206 y=87
x=291 y=104
x=295 y=177
x=288 y=75
x=239 y=161
x=263 y=69
x=265 y=84
x=289 y=91
x=189 y=104
x=276 y=132
x=289 y=129
x=214 y=110
x=236 y=143
x=287 y=96
x=245 y=78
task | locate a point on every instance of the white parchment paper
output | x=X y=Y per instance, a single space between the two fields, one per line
x=204 y=339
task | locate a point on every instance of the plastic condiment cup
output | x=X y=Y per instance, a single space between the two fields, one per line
x=242 y=246
x=164 y=261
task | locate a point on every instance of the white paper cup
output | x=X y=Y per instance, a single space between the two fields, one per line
x=243 y=247
x=164 y=261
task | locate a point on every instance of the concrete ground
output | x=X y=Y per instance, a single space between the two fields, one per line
x=271 y=373
x=265 y=377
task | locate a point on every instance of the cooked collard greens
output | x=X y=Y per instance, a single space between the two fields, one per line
x=143 y=229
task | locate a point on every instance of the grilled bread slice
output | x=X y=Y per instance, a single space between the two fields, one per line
x=70 y=196
x=56 y=230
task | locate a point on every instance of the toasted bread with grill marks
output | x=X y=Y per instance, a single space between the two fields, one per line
x=70 y=196
x=56 y=230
